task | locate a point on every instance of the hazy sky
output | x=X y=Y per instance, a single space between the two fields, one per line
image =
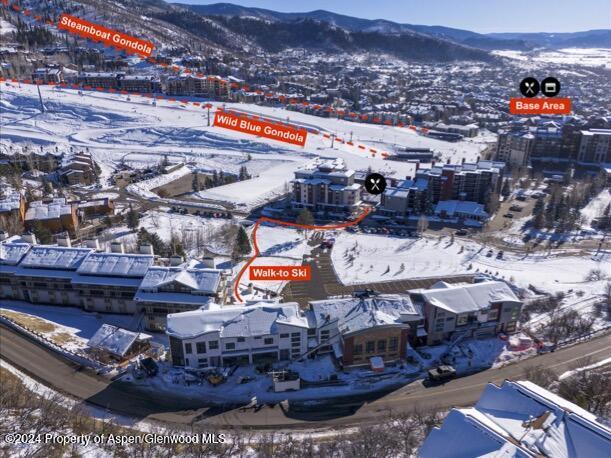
x=477 y=15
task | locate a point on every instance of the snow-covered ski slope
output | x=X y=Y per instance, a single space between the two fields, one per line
x=139 y=131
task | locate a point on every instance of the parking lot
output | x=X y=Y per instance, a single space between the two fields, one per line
x=324 y=282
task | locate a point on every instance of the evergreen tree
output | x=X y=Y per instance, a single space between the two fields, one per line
x=133 y=218
x=242 y=245
x=305 y=217
x=43 y=235
x=538 y=214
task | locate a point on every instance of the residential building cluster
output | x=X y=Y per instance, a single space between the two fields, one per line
x=539 y=141
x=141 y=284
x=353 y=329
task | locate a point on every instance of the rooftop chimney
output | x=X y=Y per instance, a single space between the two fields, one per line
x=176 y=260
x=146 y=248
x=94 y=244
x=63 y=239
x=209 y=262
x=30 y=238
x=117 y=247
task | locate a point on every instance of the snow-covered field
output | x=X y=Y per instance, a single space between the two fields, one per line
x=141 y=132
x=585 y=57
x=362 y=258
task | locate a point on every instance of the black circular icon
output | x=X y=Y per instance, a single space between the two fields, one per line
x=375 y=183
x=529 y=87
x=550 y=86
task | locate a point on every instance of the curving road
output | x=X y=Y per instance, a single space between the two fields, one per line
x=126 y=399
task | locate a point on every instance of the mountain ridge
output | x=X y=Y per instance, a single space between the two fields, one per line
x=490 y=41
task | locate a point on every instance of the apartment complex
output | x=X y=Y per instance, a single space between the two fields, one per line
x=78 y=169
x=595 y=146
x=467 y=310
x=550 y=141
x=358 y=328
x=354 y=329
x=56 y=215
x=473 y=183
x=119 y=81
x=327 y=186
x=98 y=281
x=204 y=86
x=522 y=420
x=237 y=335
x=175 y=289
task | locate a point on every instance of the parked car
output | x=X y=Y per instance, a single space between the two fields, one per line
x=149 y=366
x=508 y=215
x=441 y=373
x=499 y=255
x=515 y=208
x=461 y=232
x=521 y=198
x=489 y=254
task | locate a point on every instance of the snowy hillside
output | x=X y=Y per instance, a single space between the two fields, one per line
x=138 y=131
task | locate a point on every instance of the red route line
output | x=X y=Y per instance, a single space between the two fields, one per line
x=253 y=237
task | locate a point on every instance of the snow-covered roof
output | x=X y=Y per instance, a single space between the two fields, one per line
x=10 y=202
x=116 y=264
x=54 y=257
x=356 y=314
x=519 y=419
x=12 y=252
x=257 y=320
x=174 y=298
x=113 y=339
x=39 y=210
x=470 y=297
x=452 y=207
x=199 y=280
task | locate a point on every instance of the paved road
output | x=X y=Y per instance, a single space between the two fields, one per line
x=126 y=399
x=324 y=282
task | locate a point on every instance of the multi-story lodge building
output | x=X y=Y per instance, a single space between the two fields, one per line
x=358 y=328
x=237 y=335
x=474 y=183
x=353 y=329
x=595 y=146
x=452 y=311
x=165 y=290
x=56 y=215
x=204 y=86
x=97 y=281
x=556 y=141
x=326 y=186
x=31 y=160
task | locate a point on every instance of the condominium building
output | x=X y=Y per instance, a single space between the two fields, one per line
x=165 y=290
x=353 y=329
x=358 y=328
x=464 y=310
x=204 y=86
x=326 y=186
x=114 y=282
x=472 y=183
x=217 y=336
x=56 y=215
x=595 y=146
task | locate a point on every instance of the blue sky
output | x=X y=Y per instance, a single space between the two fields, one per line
x=478 y=15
